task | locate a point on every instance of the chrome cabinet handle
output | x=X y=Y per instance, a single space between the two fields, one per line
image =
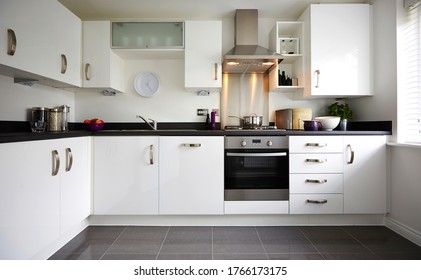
x=11 y=42
x=191 y=145
x=63 y=64
x=351 y=160
x=216 y=71
x=69 y=159
x=151 y=158
x=321 y=201
x=316 y=181
x=56 y=163
x=87 y=73
x=317 y=78
x=316 y=144
x=315 y=160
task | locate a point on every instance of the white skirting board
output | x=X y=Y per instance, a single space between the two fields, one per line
x=405 y=231
x=238 y=220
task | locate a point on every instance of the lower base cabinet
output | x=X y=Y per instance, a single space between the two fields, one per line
x=40 y=200
x=191 y=175
x=125 y=179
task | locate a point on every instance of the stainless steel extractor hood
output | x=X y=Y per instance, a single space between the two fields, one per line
x=247 y=56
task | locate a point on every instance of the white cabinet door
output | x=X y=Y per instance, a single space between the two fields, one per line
x=203 y=55
x=365 y=174
x=125 y=175
x=337 y=49
x=102 y=68
x=191 y=175
x=75 y=182
x=29 y=198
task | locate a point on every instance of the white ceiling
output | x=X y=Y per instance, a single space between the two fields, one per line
x=188 y=9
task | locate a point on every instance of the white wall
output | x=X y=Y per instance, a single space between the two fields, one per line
x=16 y=99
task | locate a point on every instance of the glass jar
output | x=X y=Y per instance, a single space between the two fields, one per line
x=54 y=116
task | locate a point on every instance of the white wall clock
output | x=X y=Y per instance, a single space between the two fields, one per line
x=146 y=84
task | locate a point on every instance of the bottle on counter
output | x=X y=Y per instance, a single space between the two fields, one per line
x=207 y=122
x=213 y=120
x=54 y=119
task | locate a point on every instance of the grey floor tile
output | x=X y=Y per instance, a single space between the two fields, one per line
x=339 y=246
x=351 y=256
x=400 y=256
x=185 y=257
x=129 y=257
x=240 y=257
x=144 y=233
x=325 y=232
x=135 y=246
x=83 y=256
x=101 y=232
x=188 y=240
x=236 y=240
x=285 y=240
x=295 y=257
x=89 y=246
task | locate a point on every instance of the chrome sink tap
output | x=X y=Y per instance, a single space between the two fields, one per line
x=154 y=124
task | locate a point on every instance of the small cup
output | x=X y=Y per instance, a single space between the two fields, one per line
x=311 y=125
x=38 y=126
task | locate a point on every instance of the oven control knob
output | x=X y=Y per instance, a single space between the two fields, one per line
x=269 y=143
x=243 y=143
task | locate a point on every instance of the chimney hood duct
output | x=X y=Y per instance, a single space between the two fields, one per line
x=247 y=56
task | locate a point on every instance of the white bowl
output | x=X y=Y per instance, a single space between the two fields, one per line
x=328 y=122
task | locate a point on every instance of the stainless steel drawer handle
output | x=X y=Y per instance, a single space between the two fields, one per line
x=191 y=145
x=216 y=71
x=316 y=144
x=316 y=160
x=351 y=160
x=317 y=78
x=56 y=163
x=69 y=159
x=11 y=42
x=151 y=161
x=316 y=181
x=321 y=201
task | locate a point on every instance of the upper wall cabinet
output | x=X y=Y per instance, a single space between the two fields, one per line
x=337 y=50
x=203 y=55
x=41 y=41
x=102 y=68
x=286 y=38
x=158 y=40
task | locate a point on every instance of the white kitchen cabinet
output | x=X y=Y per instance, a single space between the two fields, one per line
x=337 y=50
x=203 y=55
x=102 y=68
x=38 y=200
x=125 y=175
x=191 y=175
x=75 y=175
x=365 y=174
x=44 y=30
x=316 y=174
x=286 y=38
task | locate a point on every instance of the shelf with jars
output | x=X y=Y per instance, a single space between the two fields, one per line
x=286 y=38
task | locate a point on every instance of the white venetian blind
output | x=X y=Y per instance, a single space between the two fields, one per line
x=412 y=105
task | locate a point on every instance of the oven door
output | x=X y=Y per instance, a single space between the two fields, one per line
x=256 y=174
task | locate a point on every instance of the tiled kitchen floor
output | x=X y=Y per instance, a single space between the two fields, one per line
x=221 y=242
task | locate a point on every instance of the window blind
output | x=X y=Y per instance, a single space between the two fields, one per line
x=412 y=43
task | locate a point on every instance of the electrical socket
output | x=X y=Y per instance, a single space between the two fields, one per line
x=216 y=110
x=202 y=112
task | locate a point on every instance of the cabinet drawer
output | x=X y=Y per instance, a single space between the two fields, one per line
x=316 y=163
x=316 y=204
x=316 y=183
x=315 y=144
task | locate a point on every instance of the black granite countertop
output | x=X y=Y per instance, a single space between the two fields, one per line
x=77 y=130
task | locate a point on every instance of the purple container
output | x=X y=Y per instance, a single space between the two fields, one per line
x=312 y=125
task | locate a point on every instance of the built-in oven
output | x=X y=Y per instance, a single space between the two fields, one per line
x=256 y=168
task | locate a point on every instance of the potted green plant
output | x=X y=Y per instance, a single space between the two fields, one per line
x=341 y=110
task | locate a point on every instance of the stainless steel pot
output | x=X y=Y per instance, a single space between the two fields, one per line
x=250 y=121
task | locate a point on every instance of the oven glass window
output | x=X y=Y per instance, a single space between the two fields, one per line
x=256 y=169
